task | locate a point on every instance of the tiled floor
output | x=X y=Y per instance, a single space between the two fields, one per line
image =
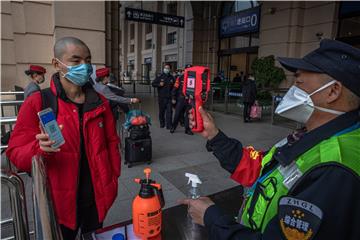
x=175 y=154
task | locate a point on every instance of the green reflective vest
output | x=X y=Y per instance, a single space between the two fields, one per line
x=262 y=204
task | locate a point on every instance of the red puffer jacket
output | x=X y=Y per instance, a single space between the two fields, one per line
x=101 y=145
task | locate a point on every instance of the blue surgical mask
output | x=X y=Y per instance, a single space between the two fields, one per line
x=79 y=74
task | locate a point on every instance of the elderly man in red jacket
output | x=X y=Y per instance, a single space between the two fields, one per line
x=83 y=173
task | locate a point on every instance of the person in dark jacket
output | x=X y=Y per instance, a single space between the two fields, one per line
x=164 y=83
x=238 y=78
x=249 y=96
x=37 y=76
x=307 y=186
x=181 y=105
x=83 y=173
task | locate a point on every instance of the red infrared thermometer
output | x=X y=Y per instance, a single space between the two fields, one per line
x=196 y=87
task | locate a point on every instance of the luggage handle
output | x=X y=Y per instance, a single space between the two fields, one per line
x=132 y=105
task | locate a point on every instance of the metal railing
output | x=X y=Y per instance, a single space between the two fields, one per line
x=12 y=93
x=137 y=86
x=17 y=201
x=10 y=179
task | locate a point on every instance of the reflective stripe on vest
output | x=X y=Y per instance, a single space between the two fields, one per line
x=262 y=204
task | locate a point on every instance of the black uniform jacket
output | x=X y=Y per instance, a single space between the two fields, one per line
x=164 y=91
x=333 y=188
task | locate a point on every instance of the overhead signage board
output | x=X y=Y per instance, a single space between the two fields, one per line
x=139 y=15
x=246 y=21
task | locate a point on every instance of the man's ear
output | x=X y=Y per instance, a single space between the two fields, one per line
x=55 y=65
x=335 y=92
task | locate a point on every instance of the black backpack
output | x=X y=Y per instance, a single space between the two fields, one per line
x=49 y=100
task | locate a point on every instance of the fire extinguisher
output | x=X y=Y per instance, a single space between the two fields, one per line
x=146 y=208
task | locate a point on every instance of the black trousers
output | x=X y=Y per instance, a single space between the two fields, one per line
x=165 y=110
x=247 y=109
x=88 y=221
x=181 y=111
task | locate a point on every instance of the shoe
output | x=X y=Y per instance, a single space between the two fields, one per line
x=168 y=128
x=162 y=126
x=189 y=132
x=182 y=124
x=172 y=130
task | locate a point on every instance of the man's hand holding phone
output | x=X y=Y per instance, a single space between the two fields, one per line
x=50 y=138
x=45 y=142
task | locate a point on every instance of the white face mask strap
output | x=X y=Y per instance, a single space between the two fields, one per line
x=323 y=87
x=63 y=74
x=326 y=109
x=61 y=62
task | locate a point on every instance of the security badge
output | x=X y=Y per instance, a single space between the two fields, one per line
x=299 y=220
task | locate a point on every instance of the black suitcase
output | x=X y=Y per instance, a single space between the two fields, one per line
x=139 y=150
x=139 y=132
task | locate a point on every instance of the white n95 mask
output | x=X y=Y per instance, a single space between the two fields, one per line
x=298 y=106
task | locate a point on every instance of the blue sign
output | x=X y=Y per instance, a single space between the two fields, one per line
x=242 y=22
x=148 y=60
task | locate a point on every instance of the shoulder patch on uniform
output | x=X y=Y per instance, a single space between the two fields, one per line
x=299 y=220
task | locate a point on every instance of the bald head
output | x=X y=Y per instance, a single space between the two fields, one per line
x=62 y=44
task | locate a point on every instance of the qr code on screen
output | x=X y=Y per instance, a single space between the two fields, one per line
x=52 y=128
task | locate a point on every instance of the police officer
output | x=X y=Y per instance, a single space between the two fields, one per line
x=164 y=83
x=308 y=185
x=181 y=105
x=37 y=76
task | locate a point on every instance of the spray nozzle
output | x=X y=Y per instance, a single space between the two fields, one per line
x=194 y=179
x=147 y=172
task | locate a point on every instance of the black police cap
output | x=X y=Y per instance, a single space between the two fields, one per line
x=336 y=59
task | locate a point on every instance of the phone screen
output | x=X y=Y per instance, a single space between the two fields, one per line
x=51 y=127
x=47 y=117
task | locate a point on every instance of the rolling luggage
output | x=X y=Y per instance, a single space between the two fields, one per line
x=139 y=132
x=138 y=150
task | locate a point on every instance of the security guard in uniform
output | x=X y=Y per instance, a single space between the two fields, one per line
x=164 y=83
x=181 y=105
x=308 y=185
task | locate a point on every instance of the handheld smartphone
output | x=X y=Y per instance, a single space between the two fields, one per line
x=51 y=127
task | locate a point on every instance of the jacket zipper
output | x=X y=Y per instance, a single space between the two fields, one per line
x=78 y=175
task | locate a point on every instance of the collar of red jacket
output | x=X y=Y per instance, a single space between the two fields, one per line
x=92 y=99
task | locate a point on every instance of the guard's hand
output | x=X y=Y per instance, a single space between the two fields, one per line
x=173 y=101
x=135 y=100
x=162 y=84
x=44 y=141
x=210 y=130
x=197 y=208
